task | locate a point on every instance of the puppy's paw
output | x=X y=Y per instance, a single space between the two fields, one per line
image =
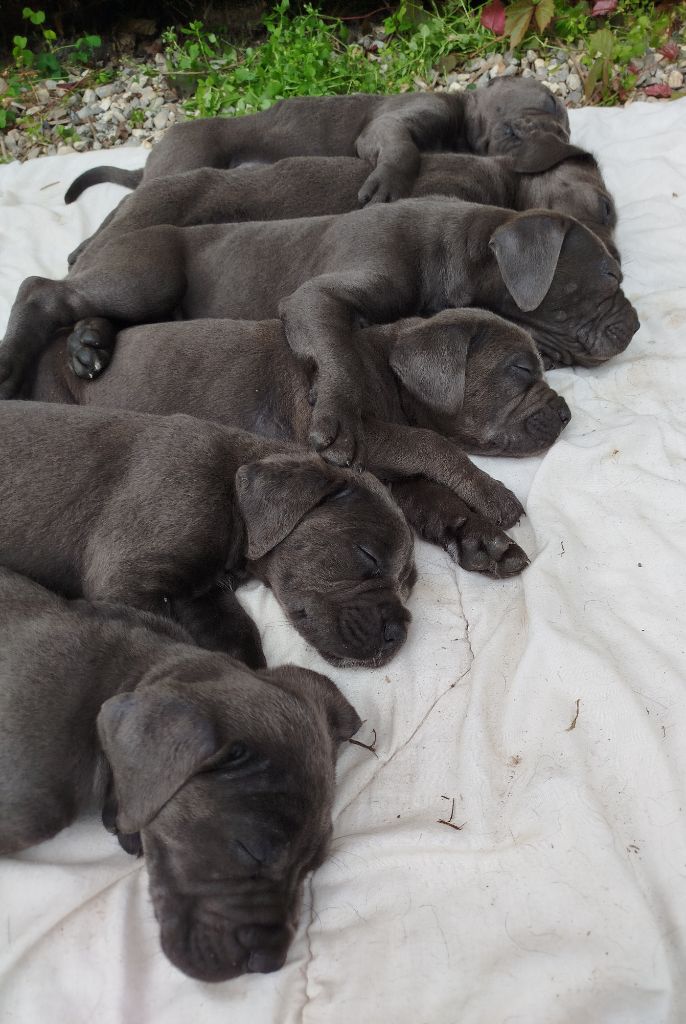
x=480 y=547
x=337 y=434
x=90 y=346
x=383 y=186
x=496 y=503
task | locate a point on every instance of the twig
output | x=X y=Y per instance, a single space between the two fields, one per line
x=367 y=746
x=574 y=720
x=449 y=821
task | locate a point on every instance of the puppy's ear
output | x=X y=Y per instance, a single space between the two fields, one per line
x=540 y=152
x=343 y=720
x=527 y=249
x=154 y=742
x=276 y=493
x=430 y=360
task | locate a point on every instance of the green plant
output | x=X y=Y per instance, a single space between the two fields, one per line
x=310 y=54
x=137 y=117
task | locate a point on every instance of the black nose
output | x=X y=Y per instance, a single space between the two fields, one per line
x=394 y=632
x=267 y=946
x=563 y=411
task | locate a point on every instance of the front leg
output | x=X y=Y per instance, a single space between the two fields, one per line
x=392 y=142
x=441 y=518
x=318 y=321
x=395 y=451
x=217 y=622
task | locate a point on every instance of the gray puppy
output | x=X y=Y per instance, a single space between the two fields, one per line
x=544 y=172
x=227 y=774
x=151 y=510
x=389 y=132
x=324 y=274
x=463 y=375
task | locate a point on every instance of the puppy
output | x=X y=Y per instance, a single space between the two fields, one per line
x=156 y=511
x=463 y=375
x=389 y=132
x=227 y=774
x=324 y=274
x=544 y=172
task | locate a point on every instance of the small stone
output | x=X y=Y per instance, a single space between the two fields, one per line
x=80 y=145
x=42 y=95
x=103 y=91
x=531 y=56
x=528 y=73
x=561 y=88
x=64 y=150
x=539 y=64
x=106 y=103
x=574 y=96
x=554 y=87
x=133 y=140
x=561 y=75
x=573 y=82
x=84 y=113
x=452 y=88
x=675 y=79
x=89 y=96
x=50 y=84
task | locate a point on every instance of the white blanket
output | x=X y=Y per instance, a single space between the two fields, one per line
x=551 y=709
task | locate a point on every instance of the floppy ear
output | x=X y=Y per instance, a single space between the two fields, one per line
x=430 y=360
x=343 y=720
x=154 y=742
x=527 y=249
x=276 y=493
x=540 y=152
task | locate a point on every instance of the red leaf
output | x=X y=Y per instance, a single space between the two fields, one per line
x=662 y=90
x=670 y=51
x=601 y=7
x=493 y=17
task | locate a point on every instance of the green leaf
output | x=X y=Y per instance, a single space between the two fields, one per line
x=601 y=43
x=592 y=78
x=543 y=14
x=517 y=20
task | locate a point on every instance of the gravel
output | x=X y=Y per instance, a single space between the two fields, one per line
x=138 y=105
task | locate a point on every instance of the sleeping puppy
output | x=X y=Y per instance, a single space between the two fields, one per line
x=544 y=172
x=463 y=377
x=227 y=774
x=389 y=132
x=323 y=275
x=155 y=511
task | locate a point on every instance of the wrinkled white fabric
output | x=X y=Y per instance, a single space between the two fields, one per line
x=550 y=708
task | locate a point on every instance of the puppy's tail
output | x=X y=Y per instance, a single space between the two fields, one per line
x=98 y=175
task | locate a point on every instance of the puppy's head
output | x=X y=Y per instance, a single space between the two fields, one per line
x=502 y=115
x=336 y=551
x=564 y=286
x=476 y=378
x=554 y=175
x=228 y=775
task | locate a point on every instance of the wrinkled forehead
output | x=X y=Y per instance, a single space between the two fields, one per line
x=396 y=526
x=507 y=98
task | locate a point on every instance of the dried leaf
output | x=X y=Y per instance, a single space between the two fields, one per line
x=670 y=51
x=602 y=7
x=662 y=90
x=493 y=17
x=544 y=13
x=517 y=20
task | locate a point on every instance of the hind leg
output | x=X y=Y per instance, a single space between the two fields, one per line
x=132 y=280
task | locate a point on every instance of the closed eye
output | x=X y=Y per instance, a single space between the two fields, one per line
x=524 y=371
x=373 y=562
